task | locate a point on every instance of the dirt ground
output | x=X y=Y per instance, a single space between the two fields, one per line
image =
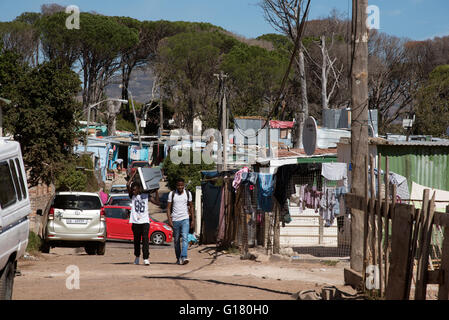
x=206 y=277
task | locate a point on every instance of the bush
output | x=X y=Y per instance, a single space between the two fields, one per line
x=83 y=180
x=34 y=243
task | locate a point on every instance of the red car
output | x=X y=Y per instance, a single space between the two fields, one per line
x=118 y=226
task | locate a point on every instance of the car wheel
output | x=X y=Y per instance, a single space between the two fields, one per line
x=101 y=248
x=157 y=238
x=45 y=247
x=7 y=281
x=90 y=249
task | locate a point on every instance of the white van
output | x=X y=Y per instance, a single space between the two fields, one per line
x=14 y=210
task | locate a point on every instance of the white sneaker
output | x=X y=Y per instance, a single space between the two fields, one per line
x=136 y=261
x=146 y=262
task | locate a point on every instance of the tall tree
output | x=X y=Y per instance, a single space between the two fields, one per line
x=186 y=66
x=432 y=109
x=41 y=116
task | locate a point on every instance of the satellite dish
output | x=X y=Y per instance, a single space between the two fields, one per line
x=309 y=136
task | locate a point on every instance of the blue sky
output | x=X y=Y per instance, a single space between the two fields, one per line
x=414 y=19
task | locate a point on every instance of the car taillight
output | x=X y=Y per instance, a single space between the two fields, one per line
x=51 y=213
x=102 y=214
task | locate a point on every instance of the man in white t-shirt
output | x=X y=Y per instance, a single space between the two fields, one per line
x=181 y=219
x=140 y=218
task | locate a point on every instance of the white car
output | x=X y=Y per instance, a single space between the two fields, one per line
x=74 y=219
x=14 y=210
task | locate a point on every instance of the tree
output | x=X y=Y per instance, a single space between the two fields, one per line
x=255 y=76
x=20 y=37
x=41 y=116
x=286 y=16
x=392 y=82
x=432 y=109
x=101 y=39
x=186 y=66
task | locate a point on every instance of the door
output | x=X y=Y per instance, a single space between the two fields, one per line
x=117 y=223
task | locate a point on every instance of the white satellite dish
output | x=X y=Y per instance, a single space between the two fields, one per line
x=309 y=136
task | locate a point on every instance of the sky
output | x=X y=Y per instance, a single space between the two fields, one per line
x=413 y=19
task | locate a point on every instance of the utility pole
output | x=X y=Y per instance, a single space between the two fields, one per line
x=359 y=124
x=224 y=120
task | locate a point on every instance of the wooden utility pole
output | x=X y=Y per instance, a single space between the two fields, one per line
x=359 y=124
x=224 y=121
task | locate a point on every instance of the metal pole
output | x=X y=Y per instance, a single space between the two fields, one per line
x=135 y=119
x=225 y=135
x=87 y=129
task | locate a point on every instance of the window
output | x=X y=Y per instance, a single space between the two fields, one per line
x=16 y=179
x=21 y=180
x=283 y=133
x=7 y=192
x=74 y=202
x=116 y=213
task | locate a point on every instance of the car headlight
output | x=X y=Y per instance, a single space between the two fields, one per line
x=167 y=227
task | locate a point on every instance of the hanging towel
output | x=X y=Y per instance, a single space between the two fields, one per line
x=334 y=171
x=265 y=191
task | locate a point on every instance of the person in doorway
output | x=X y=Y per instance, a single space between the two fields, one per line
x=180 y=218
x=140 y=218
x=119 y=163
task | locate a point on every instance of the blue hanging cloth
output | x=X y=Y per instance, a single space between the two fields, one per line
x=265 y=189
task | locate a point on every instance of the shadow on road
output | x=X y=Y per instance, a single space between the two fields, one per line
x=218 y=282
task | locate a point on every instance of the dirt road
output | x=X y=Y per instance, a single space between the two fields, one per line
x=113 y=276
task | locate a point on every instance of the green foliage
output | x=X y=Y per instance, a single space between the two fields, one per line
x=34 y=243
x=71 y=180
x=125 y=125
x=41 y=116
x=77 y=175
x=256 y=75
x=432 y=111
x=191 y=173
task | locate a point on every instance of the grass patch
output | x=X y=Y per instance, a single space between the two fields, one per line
x=34 y=243
x=330 y=263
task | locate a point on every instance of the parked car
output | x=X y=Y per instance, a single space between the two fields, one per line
x=119 y=200
x=74 y=219
x=133 y=167
x=118 y=189
x=118 y=226
x=14 y=210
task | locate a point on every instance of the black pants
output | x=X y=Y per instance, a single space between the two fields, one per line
x=140 y=232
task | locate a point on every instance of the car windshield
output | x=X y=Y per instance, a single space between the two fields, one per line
x=122 y=201
x=77 y=202
x=140 y=164
x=118 y=189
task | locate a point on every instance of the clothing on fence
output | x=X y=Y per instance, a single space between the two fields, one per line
x=328 y=204
x=265 y=189
x=238 y=177
x=334 y=171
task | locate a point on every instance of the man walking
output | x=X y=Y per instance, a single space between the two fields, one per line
x=180 y=218
x=140 y=218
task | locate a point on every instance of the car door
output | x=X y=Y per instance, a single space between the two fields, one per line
x=117 y=223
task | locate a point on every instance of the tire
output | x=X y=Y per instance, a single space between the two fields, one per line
x=7 y=281
x=157 y=238
x=45 y=247
x=91 y=249
x=101 y=248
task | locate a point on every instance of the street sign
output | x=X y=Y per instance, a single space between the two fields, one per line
x=309 y=136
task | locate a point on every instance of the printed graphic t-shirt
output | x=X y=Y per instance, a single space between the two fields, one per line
x=139 y=209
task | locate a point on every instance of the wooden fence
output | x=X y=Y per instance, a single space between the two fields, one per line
x=396 y=241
